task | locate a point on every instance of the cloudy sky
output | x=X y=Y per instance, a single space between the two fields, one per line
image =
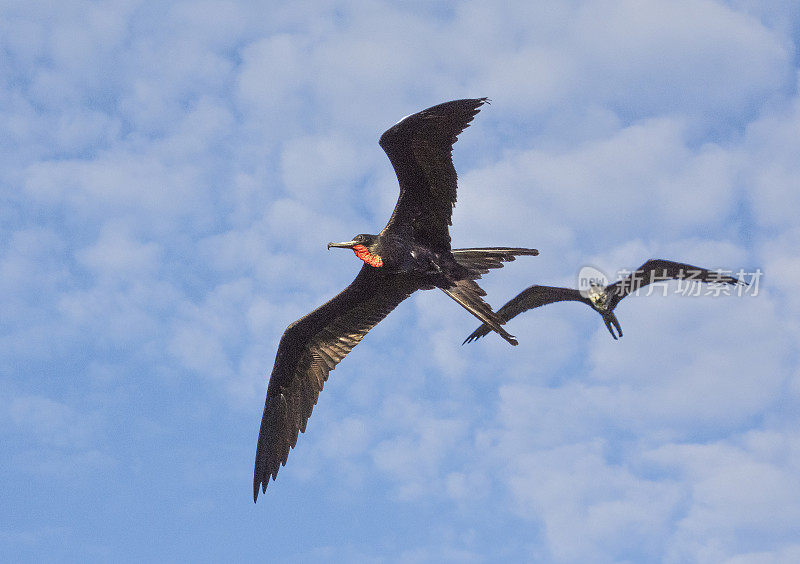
x=170 y=174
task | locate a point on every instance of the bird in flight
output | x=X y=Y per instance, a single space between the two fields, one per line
x=604 y=299
x=411 y=253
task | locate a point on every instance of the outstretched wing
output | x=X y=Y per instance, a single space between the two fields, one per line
x=657 y=270
x=309 y=349
x=420 y=148
x=532 y=297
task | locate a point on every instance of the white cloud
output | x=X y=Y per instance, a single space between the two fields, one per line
x=51 y=423
x=592 y=510
x=116 y=252
x=414 y=459
x=320 y=171
x=743 y=495
x=770 y=150
x=646 y=173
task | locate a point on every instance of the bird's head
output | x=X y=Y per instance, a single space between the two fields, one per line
x=598 y=296
x=365 y=247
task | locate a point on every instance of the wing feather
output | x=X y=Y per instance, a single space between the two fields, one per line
x=656 y=270
x=534 y=296
x=420 y=148
x=309 y=349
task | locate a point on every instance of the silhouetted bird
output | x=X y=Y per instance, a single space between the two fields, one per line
x=604 y=300
x=411 y=253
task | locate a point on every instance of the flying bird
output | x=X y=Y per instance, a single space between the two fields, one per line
x=604 y=299
x=411 y=253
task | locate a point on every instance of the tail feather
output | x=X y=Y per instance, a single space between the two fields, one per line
x=479 y=261
x=469 y=295
x=481 y=331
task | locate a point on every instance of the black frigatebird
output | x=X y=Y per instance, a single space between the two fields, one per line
x=411 y=253
x=604 y=299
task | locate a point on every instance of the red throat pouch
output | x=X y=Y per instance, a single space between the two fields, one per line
x=372 y=260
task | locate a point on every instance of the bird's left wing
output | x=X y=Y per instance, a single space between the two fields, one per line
x=656 y=270
x=309 y=349
x=529 y=298
x=420 y=148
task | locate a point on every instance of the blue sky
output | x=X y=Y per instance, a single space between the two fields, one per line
x=171 y=173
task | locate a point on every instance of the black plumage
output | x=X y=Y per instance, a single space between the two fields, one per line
x=411 y=253
x=604 y=300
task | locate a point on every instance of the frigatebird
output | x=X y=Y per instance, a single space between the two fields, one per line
x=604 y=299
x=411 y=253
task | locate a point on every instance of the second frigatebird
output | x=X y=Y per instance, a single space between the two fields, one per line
x=411 y=253
x=604 y=299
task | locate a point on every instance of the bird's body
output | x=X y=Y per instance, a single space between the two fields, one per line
x=411 y=253
x=604 y=299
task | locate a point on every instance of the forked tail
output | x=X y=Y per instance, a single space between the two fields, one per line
x=470 y=296
x=479 y=261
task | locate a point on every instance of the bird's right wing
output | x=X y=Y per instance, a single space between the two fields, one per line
x=309 y=349
x=657 y=270
x=532 y=297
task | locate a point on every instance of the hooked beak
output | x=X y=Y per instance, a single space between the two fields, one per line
x=345 y=245
x=612 y=319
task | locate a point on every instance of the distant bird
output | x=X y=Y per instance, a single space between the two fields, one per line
x=604 y=299
x=411 y=253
